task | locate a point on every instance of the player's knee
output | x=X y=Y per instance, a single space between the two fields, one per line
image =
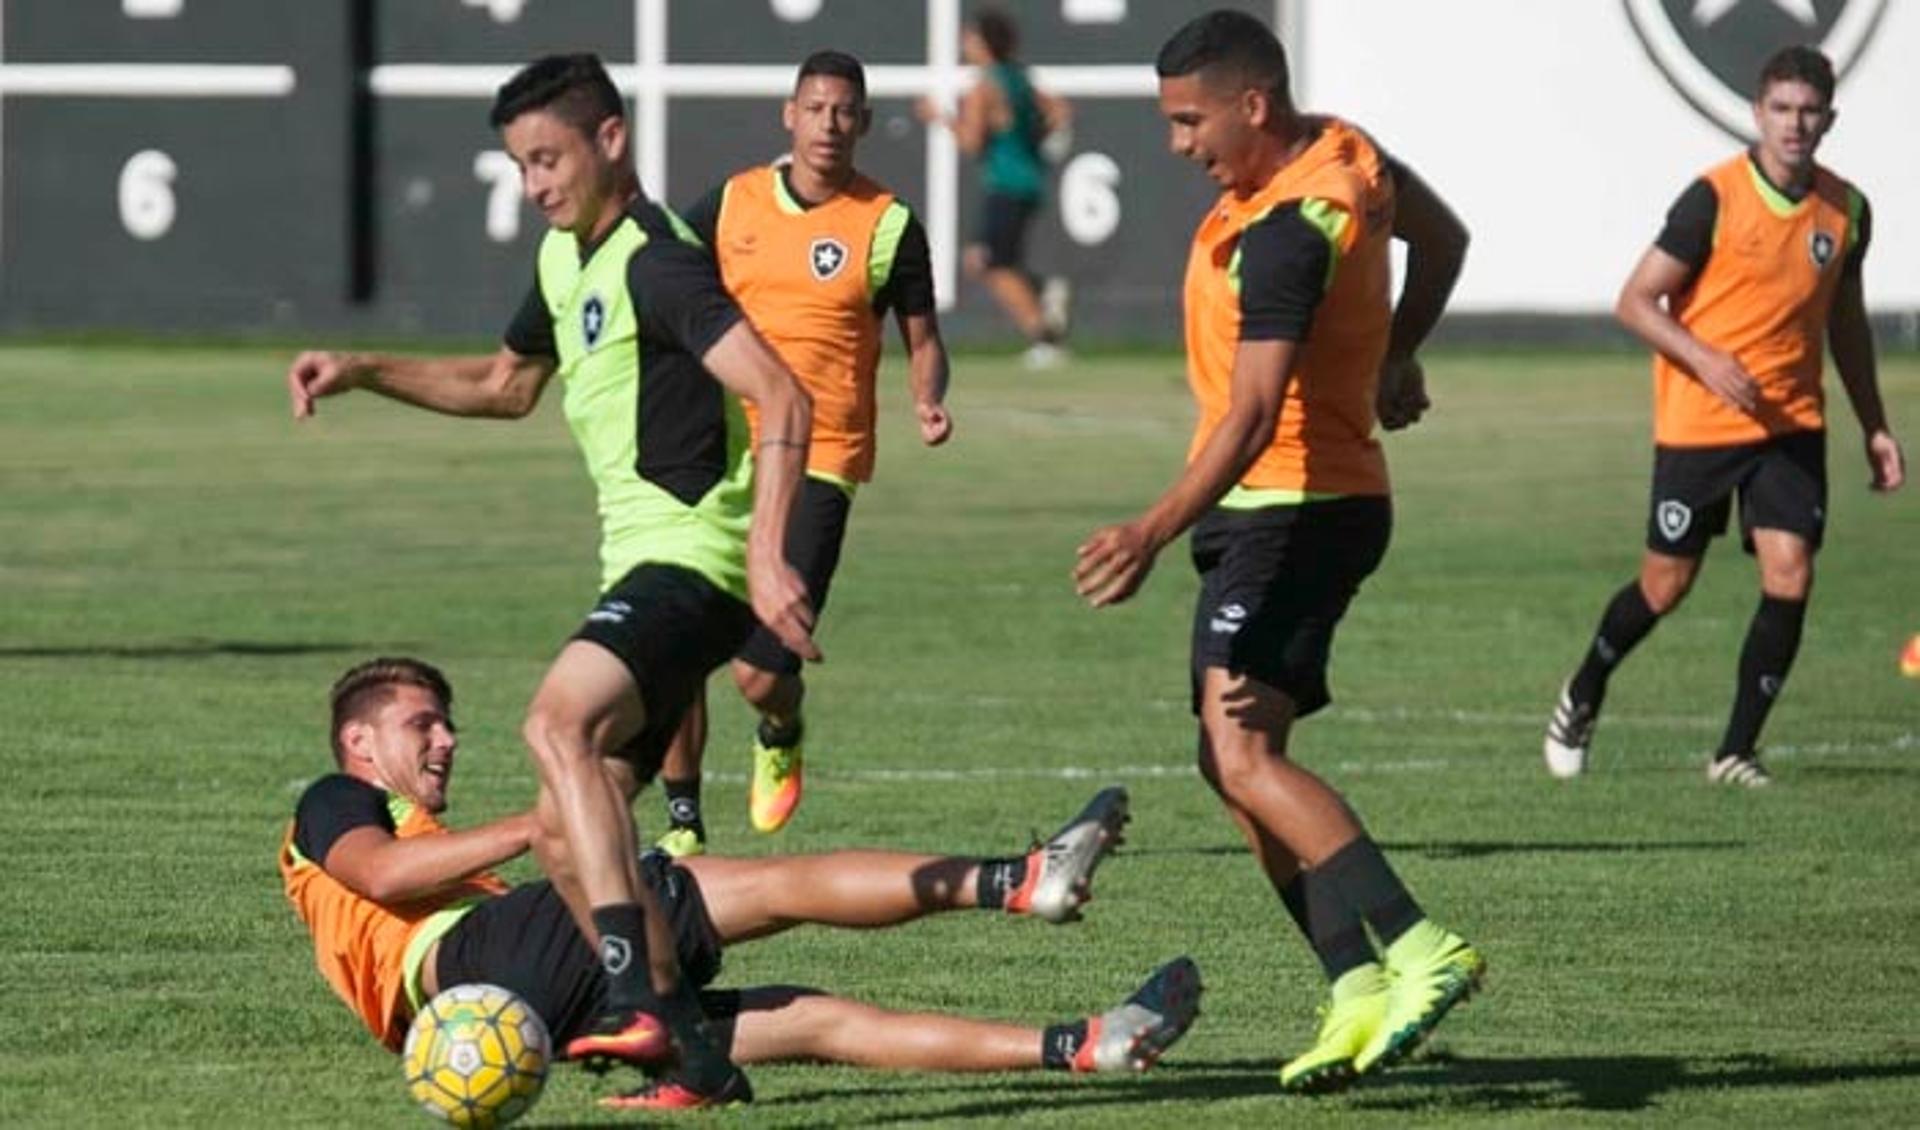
x=558 y=741
x=1666 y=583
x=1787 y=580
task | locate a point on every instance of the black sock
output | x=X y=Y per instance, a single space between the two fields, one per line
x=1625 y=623
x=1330 y=924
x=782 y=737
x=1773 y=639
x=683 y=804
x=1060 y=1043
x=1367 y=881
x=998 y=879
x=623 y=955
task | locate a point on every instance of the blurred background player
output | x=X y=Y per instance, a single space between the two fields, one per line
x=631 y=313
x=1292 y=347
x=817 y=254
x=1002 y=122
x=400 y=907
x=1757 y=269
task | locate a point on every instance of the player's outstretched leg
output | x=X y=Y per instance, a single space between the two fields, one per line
x=1059 y=872
x=1135 y=1034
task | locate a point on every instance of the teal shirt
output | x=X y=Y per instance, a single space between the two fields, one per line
x=1010 y=162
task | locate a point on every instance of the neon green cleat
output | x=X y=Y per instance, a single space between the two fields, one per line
x=681 y=841
x=777 y=765
x=1431 y=970
x=1348 y=1022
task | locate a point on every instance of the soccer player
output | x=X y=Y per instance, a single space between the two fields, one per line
x=630 y=312
x=1292 y=349
x=816 y=254
x=400 y=907
x=1757 y=268
x=1001 y=122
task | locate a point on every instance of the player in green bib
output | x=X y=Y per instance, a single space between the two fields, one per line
x=630 y=312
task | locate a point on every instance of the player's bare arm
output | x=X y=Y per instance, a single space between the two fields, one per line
x=1115 y=561
x=376 y=864
x=1850 y=336
x=1643 y=309
x=927 y=375
x=1436 y=242
x=505 y=385
x=748 y=367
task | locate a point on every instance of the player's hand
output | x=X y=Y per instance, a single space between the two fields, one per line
x=1885 y=460
x=1402 y=396
x=318 y=373
x=1729 y=380
x=1113 y=564
x=928 y=111
x=780 y=602
x=936 y=425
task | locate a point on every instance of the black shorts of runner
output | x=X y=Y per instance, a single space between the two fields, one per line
x=671 y=627
x=1782 y=483
x=1004 y=221
x=814 y=536
x=527 y=942
x=1274 y=583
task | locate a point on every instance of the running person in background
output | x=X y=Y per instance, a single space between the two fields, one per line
x=817 y=254
x=1293 y=347
x=1001 y=122
x=400 y=907
x=1757 y=269
x=629 y=311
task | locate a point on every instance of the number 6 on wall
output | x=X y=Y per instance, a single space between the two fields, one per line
x=147 y=206
x=1089 y=204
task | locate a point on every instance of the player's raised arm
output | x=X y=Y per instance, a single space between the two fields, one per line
x=504 y=385
x=743 y=362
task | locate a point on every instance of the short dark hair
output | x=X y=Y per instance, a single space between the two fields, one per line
x=998 y=31
x=1798 y=64
x=366 y=687
x=1230 y=45
x=574 y=88
x=834 y=64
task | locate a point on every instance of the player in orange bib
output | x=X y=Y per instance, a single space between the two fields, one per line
x=1293 y=346
x=817 y=254
x=1757 y=269
x=400 y=907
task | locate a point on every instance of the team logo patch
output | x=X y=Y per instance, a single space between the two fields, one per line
x=1770 y=686
x=826 y=257
x=593 y=320
x=615 y=955
x=1673 y=518
x=1712 y=50
x=1820 y=246
x=1228 y=618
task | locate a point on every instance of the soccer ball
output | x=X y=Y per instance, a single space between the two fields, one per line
x=1910 y=658
x=476 y=1056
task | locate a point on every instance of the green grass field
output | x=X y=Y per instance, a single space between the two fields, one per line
x=183 y=571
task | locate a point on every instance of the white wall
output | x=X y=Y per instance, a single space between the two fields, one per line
x=1560 y=143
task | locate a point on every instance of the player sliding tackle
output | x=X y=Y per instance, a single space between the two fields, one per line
x=401 y=907
x=1291 y=349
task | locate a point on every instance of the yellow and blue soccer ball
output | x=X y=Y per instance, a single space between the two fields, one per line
x=476 y=1056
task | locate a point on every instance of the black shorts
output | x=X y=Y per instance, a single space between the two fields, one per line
x=527 y=942
x=1273 y=584
x=671 y=627
x=1004 y=221
x=814 y=537
x=1782 y=483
